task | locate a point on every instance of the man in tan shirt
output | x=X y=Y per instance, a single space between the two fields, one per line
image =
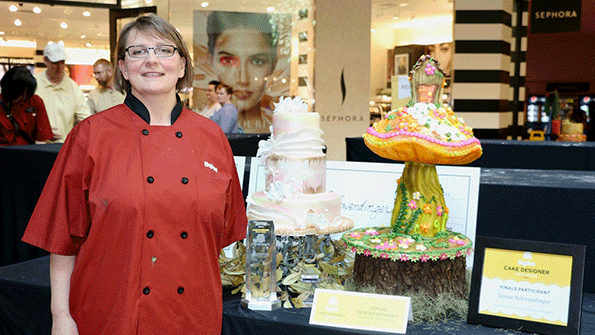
x=64 y=101
x=104 y=96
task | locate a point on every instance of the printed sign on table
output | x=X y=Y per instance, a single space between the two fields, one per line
x=528 y=285
x=240 y=162
x=365 y=311
x=368 y=192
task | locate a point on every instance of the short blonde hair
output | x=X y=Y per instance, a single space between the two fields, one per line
x=153 y=25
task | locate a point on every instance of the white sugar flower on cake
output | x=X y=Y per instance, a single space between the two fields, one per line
x=265 y=148
x=289 y=105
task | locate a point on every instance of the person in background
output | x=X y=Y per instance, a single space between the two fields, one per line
x=104 y=96
x=213 y=105
x=63 y=99
x=227 y=116
x=139 y=203
x=23 y=119
x=243 y=53
x=577 y=115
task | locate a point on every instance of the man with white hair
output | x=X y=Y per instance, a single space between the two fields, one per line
x=104 y=96
x=63 y=99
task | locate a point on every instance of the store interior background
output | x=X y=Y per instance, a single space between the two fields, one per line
x=393 y=25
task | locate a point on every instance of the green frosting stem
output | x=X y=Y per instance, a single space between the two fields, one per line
x=419 y=206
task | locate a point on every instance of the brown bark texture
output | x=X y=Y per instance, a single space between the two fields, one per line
x=399 y=278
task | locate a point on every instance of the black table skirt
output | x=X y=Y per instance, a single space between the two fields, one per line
x=542 y=205
x=502 y=154
x=25 y=301
x=23 y=172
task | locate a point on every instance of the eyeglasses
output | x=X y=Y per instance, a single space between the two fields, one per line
x=141 y=51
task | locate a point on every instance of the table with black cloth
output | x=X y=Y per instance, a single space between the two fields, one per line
x=23 y=172
x=25 y=309
x=541 y=155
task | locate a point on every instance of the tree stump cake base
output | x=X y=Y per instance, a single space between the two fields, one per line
x=396 y=277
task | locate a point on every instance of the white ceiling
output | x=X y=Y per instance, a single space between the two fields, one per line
x=46 y=25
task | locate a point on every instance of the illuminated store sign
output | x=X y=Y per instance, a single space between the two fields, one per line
x=555 y=16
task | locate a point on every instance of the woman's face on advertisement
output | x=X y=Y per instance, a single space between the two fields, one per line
x=243 y=59
x=442 y=52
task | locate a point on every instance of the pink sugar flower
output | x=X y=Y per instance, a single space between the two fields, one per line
x=367 y=252
x=380 y=247
x=443 y=256
x=371 y=232
x=459 y=254
x=384 y=255
x=412 y=204
x=355 y=235
x=430 y=69
x=404 y=258
x=354 y=249
x=469 y=251
x=424 y=258
x=439 y=210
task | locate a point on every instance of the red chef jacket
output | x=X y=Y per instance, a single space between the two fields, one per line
x=146 y=210
x=31 y=117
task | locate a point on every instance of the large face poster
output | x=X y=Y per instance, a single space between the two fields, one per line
x=443 y=53
x=249 y=52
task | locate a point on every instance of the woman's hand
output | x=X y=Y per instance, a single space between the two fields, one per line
x=64 y=325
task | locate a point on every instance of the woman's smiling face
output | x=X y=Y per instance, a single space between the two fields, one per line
x=151 y=75
x=243 y=59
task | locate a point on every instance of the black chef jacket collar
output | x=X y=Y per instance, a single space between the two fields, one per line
x=139 y=108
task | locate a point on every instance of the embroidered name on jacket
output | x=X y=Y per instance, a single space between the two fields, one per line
x=211 y=166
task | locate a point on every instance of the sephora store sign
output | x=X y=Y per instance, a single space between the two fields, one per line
x=555 y=16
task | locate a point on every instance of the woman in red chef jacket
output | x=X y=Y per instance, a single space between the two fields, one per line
x=139 y=203
x=23 y=119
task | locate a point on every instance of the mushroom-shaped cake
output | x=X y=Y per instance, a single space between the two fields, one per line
x=424 y=131
x=422 y=134
x=417 y=244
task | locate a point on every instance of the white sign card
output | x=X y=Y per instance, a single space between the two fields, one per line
x=368 y=192
x=364 y=311
x=240 y=162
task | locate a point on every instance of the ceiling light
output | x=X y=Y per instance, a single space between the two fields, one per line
x=61 y=42
x=36 y=10
x=148 y=2
x=83 y=36
x=86 y=13
x=88 y=45
x=1 y=33
x=13 y=8
x=270 y=9
x=63 y=25
x=18 y=22
x=403 y=4
x=204 y=4
x=395 y=17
